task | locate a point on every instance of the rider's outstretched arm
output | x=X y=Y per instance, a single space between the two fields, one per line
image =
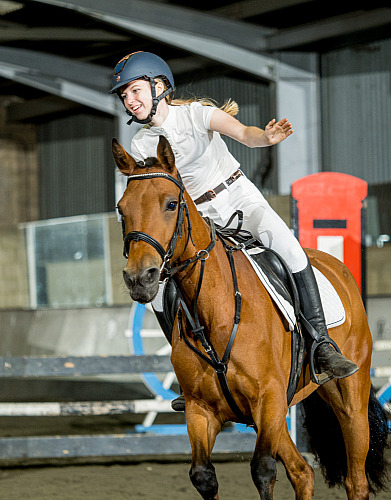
x=253 y=137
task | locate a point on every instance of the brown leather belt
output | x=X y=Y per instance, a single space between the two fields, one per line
x=212 y=193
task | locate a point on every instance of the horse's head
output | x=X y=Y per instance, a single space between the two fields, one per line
x=149 y=209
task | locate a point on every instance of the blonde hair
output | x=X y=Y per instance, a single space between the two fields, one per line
x=230 y=106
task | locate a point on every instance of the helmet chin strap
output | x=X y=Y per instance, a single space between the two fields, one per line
x=155 y=102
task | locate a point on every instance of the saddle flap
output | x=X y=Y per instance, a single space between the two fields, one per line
x=274 y=270
x=273 y=276
x=274 y=286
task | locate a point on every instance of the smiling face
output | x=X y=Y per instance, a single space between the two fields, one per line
x=137 y=97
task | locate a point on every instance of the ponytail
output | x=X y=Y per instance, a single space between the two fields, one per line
x=230 y=106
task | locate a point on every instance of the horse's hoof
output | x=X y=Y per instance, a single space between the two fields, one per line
x=178 y=404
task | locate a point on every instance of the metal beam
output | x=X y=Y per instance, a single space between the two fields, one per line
x=38 y=107
x=82 y=73
x=173 y=18
x=57 y=34
x=191 y=31
x=329 y=28
x=10 y=31
x=76 y=81
x=249 y=8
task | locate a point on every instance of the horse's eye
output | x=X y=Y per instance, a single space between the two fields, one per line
x=171 y=206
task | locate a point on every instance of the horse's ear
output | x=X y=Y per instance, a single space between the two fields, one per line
x=123 y=159
x=165 y=155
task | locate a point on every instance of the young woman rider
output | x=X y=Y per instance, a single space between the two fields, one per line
x=144 y=83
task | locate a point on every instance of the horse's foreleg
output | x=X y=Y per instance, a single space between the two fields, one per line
x=299 y=472
x=202 y=428
x=264 y=472
x=263 y=464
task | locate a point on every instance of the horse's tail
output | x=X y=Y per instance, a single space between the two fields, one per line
x=327 y=444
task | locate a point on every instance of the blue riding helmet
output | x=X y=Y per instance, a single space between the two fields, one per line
x=142 y=65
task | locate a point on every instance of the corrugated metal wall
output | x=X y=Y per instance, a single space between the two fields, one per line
x=76 y=173
x=356 y=111
x=255 y=108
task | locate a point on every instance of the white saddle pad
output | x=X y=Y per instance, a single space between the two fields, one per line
x=332 y=305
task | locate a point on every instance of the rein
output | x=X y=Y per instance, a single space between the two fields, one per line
x=211 y=358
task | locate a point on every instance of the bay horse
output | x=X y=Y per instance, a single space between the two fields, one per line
x=164 y=231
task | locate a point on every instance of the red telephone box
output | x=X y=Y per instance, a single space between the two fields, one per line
x=328 y=213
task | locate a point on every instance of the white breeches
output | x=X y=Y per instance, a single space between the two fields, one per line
x=258 y=218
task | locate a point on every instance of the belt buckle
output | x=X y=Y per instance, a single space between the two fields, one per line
x=210 y=194
x=233 y=177
x=236 y=175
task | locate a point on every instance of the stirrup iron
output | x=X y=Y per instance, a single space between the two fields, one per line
x=322 y=377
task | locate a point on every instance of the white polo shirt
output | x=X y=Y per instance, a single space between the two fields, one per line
x=204 y=162
x=202 y=157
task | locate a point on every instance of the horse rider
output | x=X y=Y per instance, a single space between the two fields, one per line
x=145 y=85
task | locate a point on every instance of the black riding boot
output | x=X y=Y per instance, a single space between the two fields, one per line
x=328 y=360
x=165 y=319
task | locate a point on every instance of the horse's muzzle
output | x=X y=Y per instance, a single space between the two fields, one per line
x=142 y=286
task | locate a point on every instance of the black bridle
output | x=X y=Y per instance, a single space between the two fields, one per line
x=166 y=255
x=167 y=271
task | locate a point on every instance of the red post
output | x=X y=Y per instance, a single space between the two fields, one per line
x=328 y=213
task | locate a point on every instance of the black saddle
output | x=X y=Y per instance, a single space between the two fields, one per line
x=274 y=267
